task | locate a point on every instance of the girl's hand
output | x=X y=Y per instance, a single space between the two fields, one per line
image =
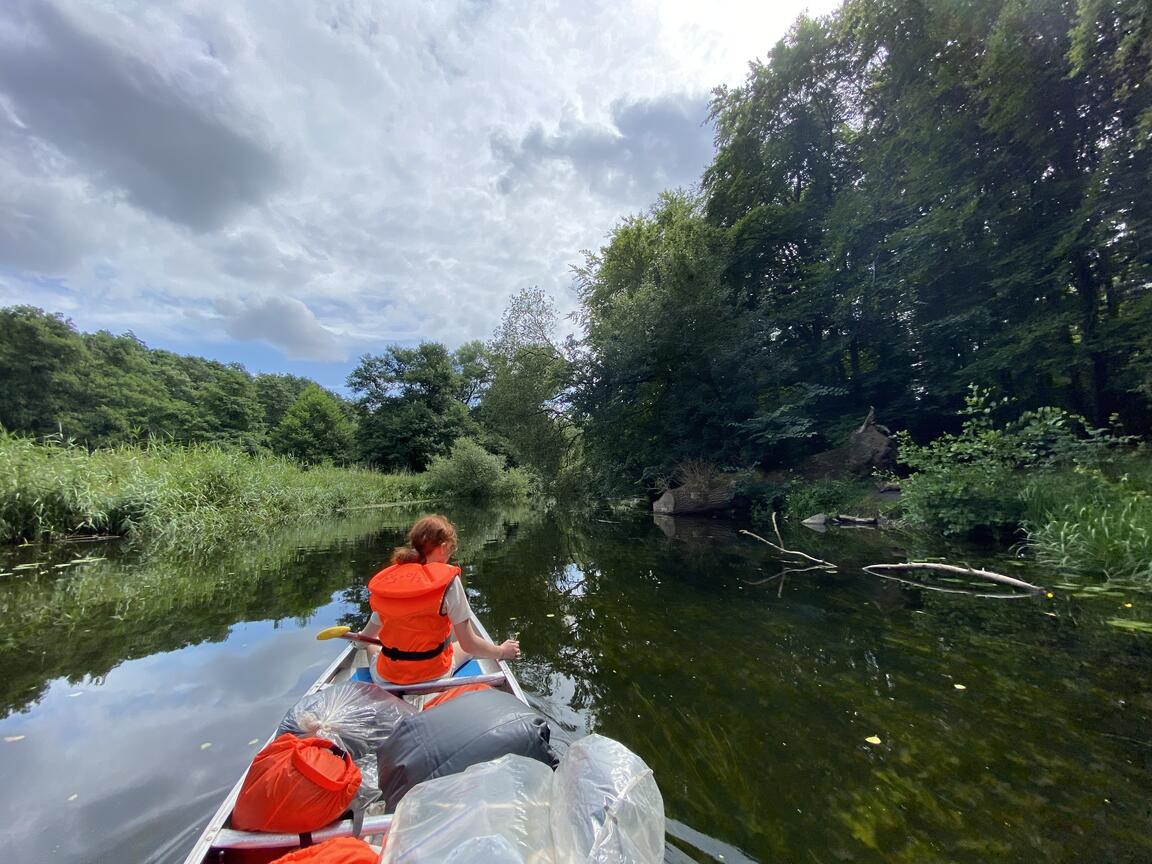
x=509 y=650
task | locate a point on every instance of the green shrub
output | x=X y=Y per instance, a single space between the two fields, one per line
x=974 y=482
x=470 y=471
x=804 y=498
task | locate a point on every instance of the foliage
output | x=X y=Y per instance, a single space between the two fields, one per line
x=470 y=471
x=526 y=405
x=103 y=390
x=315 y=429
x=804 y=498
x=905 y=198
x=972 y=482
x=190 y=497
x=412 y=404
x=1093 y=521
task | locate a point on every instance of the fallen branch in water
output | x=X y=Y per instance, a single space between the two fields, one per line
x=785 y=572
x=951 y=568
x=967 y=591
x=826 y=565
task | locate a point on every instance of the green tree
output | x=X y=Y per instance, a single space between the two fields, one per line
x=277 y=393
x=669 y=362
x=409 y=400
x=41 y=356
x=315 y=429
x=526 y=404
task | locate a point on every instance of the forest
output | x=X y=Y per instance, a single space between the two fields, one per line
x=938 y=210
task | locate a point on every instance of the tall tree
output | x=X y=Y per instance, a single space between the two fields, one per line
x=410 y=406
x=315 y=429
x=526 y=403
x=41 y=356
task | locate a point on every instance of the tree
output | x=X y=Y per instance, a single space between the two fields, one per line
x=40 y=358
x=315 y=429
x=277 y=393
x=410 y=406
x=526 y=404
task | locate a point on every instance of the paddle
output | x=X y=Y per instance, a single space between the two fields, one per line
x=340 y=632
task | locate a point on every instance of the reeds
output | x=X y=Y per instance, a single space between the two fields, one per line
x=188 y=496
x=1093 y=523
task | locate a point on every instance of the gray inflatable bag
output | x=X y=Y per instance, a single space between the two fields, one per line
x=472 y=728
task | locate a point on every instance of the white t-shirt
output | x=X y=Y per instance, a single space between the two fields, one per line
x=455 y=603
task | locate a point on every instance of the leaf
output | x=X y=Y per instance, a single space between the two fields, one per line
x=1125 y=624
x=873 y=739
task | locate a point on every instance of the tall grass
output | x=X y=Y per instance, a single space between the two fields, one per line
x=1093 y=522
x=188 y=496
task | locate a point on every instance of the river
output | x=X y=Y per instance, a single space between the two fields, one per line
x=810 y=717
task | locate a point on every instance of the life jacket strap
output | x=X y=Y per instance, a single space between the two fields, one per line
x=397 y=654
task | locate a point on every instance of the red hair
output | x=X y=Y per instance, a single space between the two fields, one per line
x=424 y=536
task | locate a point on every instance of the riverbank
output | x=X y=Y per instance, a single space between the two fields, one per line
x=174 y=495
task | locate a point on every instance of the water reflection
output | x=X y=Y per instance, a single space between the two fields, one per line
x=753 y=702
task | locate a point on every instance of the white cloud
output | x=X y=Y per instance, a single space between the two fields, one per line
x=378 y=170
x=281 y=321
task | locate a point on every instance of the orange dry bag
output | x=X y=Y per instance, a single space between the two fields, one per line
x=296 y=785
x=342 y=850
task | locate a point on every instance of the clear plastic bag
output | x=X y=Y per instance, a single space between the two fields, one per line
x=602 y=806
x=606 y=806
x=356 y=715
x=496 y=811
x=369 y=791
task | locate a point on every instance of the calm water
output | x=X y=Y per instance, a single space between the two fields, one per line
x=133 y=690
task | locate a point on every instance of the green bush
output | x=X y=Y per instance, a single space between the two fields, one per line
x=804 y=498
x=974 y=482
x=470 y=471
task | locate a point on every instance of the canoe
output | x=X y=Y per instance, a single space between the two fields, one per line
x=221 y=844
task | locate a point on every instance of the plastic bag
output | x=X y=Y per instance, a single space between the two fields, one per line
x=356 y=715
x=606 y=806
x=602 y=806
x=494 y=812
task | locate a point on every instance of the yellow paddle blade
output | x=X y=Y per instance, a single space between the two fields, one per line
x=333 y=632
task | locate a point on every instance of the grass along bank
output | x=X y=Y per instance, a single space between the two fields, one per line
x=1080 y=498
x=186 y=496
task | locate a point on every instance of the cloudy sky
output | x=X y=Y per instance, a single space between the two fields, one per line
x=292 y=183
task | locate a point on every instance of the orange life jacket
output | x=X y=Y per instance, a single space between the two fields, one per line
x=296 y=785
x=449 y=695
x=415 y=634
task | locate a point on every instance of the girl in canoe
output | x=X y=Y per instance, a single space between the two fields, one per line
x=418 y=603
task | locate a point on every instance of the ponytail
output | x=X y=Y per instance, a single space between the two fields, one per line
x=406 y=555
x=424 y=536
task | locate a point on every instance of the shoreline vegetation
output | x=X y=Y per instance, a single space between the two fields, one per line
x=198 y=496
x=938 y=217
